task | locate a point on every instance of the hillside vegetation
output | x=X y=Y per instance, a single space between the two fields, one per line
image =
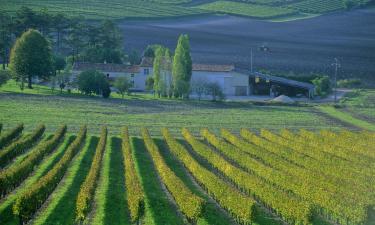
x=269 y=178
x=117 y=9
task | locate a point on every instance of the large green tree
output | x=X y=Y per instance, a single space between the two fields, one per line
x=31 y=57
x=182 y=67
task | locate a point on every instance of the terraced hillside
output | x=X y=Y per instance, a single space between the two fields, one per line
x=268 y=178
x=120 y=9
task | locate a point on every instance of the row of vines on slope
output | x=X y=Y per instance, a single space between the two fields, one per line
x=8 y=136
x=87 y=190
x=189 y=203
x=31 y=200
x=240 y=206
x=347 y=209
x=12 y=176
x=135 y=194
x=286 y=205
x=20 y=146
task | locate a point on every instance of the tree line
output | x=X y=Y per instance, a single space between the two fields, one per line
x=74 y=36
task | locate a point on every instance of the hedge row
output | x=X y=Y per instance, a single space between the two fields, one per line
x=134 y=190
x=340 y=207
x=20 y=146
x=87 y=190
x=7 y=136
x=288 y=206
x=11 y=177
x=189 y=203
x=240 y=206
x=31 y=200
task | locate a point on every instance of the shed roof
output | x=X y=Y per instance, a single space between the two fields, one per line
x=277 y=79
x=105 y=67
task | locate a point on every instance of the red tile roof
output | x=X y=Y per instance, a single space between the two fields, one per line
x=105 y=67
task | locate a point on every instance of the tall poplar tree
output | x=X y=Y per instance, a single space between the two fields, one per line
x=182 y=67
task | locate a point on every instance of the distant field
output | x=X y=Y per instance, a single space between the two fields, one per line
x=247 y=9
x=120 y=9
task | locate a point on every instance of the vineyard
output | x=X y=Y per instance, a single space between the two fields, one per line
x=116 y=9
x=225 y=176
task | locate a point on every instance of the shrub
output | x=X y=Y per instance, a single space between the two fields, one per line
x=93 y=82
x=322 y=86
x=349 y=83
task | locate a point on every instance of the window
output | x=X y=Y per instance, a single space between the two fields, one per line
x=146 y=71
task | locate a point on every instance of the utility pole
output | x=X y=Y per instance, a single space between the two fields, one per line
x=251 y=60
x=337 y=65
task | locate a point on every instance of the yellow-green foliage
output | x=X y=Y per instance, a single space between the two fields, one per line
x=134 y=190
x=87 y=190
x=16 y=173
x=189 y=203
x=288 y=206
x=240 y=206
x=20 y=146
x=350 y=208
x=32 y=199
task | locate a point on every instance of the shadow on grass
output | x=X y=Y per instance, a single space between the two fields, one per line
x=7 y=216
x=64 y=212
x=159 y=210
x=212 y=213
x=116 y=210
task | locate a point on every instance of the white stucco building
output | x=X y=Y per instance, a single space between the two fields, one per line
x=232 y=81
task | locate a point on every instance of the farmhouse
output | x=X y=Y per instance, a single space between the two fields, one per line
x=233 y=81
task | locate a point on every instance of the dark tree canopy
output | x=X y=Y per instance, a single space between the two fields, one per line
x=31 y=57
x=93 y=82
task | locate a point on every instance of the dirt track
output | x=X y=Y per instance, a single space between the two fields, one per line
x=303 y=45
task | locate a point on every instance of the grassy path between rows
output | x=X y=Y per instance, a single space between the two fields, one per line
x=158 y=209
x=6 y=213
x=61 y=208
x=345 y=117
x=110 y=196
x=212 y=213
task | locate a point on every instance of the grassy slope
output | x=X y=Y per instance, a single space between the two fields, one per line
x=41 y=106
x=61 y=208
x=347 y=118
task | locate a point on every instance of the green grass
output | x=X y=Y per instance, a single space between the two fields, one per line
x=110 y=9
x=110 y=194
x=336 y=113
x=42 y=106
x=126 y=9
x=246 y=9
x=61 y=208
x=6 y=204
x=158 y=209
